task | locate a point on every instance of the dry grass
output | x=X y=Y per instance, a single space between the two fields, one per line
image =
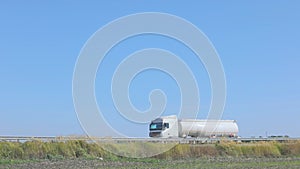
x=49 y=150
x=82 y=149
x=233 y=149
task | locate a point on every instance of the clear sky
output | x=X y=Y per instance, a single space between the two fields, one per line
x=258 y=43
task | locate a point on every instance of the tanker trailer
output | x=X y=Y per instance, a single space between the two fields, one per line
x=170 y=126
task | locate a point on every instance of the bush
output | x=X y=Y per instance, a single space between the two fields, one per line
x=259 y=149
x=229 y=149
x=204 y=150
x=291 y=148
x=10 y=150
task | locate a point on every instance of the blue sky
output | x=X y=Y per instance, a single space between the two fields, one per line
x=258 y=43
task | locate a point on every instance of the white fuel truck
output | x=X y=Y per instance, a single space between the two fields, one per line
x=170 y=126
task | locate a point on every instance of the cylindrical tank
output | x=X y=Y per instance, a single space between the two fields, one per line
x=207 y=128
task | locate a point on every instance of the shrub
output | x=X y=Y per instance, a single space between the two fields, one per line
x=11 y=150
x=291 y=148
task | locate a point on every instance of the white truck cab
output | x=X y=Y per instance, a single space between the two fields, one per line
x=164 y=127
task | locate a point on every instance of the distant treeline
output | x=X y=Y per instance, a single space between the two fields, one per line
x=82 y=149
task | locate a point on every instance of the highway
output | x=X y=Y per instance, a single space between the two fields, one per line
x=124 y=140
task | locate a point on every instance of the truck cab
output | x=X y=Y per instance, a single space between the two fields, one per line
x=164 y=127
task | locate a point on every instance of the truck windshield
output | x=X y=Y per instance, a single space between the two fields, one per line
x=155 y=126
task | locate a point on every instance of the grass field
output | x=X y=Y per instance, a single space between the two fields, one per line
x=80 y=154
x=212 y=163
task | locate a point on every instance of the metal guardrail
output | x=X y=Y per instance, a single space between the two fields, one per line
x=122 y=140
